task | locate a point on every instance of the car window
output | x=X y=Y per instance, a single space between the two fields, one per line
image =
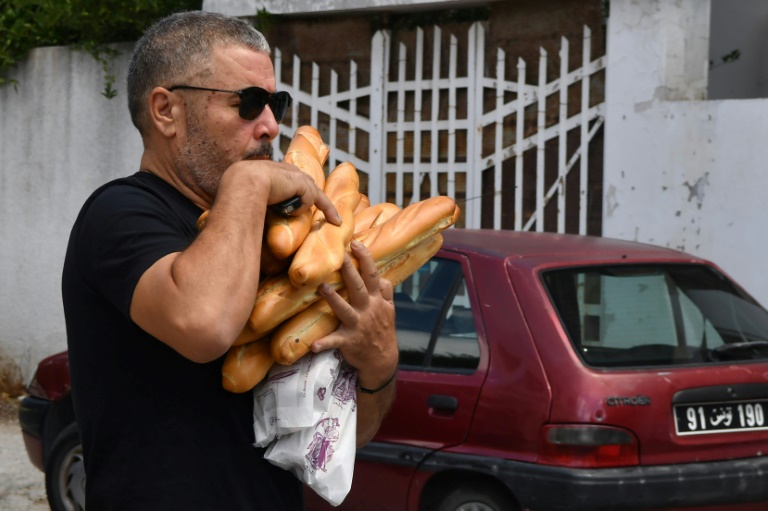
x=435 y=325
x=640 y=315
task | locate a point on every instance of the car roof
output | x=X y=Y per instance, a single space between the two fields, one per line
x=543 y=247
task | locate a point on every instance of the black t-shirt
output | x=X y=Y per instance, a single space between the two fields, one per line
x=159 y=432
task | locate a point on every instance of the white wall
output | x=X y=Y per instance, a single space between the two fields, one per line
x=679 y=171
x=59 y=139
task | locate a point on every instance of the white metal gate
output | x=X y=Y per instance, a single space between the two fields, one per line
x=442 y=133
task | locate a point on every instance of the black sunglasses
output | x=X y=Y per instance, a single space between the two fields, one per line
x=253 y=100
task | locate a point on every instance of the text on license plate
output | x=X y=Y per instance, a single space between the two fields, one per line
x=703 y=418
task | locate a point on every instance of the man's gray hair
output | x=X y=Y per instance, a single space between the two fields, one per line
x=178 y=48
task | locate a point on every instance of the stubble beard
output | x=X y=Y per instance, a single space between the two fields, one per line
x=205 y=161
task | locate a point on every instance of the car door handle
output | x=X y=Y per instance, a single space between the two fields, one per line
x=448 y=403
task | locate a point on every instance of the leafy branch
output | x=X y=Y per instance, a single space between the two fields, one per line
x=86 y=25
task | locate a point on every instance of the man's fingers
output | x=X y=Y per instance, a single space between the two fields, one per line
x=368 y=271
x=343 y=310
x=290 y=181
x=387 y=290
x=325 y=205
x=357 y=292
x=313 y=195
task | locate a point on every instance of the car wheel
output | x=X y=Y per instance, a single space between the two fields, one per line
x=478 y=497
x=65 y=472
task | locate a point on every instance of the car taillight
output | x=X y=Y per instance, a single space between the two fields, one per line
x=51 y=380
x=587 y=446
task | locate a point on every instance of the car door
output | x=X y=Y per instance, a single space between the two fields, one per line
x=442 y=367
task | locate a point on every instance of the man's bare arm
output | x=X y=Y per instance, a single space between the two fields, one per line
x=198 y=300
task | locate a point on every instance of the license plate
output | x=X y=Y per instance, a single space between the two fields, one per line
x=704 y=418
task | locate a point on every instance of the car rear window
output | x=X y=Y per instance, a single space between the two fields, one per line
x=657 y=315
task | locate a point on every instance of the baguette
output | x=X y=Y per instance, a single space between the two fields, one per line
x=409 y=227
x=302 y=153
x=365 y=203
x=245 y=366
x=314 y=137
x=322 y=251
x=271 y=263
x=295 y=336
x=278 y=299
x=374 y=215
x=284 y=235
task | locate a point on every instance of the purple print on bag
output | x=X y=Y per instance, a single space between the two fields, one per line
x=321 y=393
x=320 y=450
x=344 y=385
x=283 y=375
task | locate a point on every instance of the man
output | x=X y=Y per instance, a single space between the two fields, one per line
x=152 y=306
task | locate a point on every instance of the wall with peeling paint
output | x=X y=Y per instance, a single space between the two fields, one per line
x=681 y=171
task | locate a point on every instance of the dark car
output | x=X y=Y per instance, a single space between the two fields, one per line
x=545 y=372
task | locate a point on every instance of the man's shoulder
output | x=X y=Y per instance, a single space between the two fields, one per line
x=140 y=183
x=140 y=189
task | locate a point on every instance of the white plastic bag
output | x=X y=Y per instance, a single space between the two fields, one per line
x=306 y=414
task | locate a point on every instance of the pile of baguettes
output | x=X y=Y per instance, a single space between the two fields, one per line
x=301 y=252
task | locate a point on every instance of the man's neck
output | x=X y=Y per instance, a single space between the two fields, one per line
x=164 y=169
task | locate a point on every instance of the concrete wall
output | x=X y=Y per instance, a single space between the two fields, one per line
x=680 y=171
x=59 y=139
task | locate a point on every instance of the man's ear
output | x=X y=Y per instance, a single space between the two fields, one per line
x=166 y=111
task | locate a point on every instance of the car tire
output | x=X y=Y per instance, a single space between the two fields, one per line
x=477 y=497
x=65 y=472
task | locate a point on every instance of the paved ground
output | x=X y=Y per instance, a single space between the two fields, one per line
x=22 y=485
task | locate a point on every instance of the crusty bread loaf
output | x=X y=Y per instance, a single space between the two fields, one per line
x=314 y=137
x=409 y=227
x=245 y=366
x=278 y=299
x=271 y=264
x=374 y=215
x=322 y=251
x=365 y=203
x=295 y=336
x=284 y=235
x=304 y=155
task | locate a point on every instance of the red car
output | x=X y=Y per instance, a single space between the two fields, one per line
x=543 y=372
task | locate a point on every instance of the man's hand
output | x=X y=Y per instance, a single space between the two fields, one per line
x=285 y=182
x=366 y=337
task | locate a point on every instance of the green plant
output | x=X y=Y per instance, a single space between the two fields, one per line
x=86 y=25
